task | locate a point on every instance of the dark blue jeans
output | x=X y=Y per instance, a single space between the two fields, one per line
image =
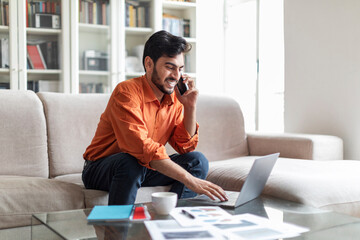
x=121 y=175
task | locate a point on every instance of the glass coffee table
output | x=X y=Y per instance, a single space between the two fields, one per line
x=321 y=224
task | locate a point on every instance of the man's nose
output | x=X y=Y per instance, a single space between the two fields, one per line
x=177 y=74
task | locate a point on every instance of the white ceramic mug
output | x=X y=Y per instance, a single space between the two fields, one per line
x=164 y=202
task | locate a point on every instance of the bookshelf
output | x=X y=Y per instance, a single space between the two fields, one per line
x=95 y=45
x=27 y=28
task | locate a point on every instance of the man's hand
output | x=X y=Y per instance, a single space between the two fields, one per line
x=189 y=98
x=197 y=185
x=205 y=187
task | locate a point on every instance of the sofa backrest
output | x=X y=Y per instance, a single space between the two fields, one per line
x=23 y=142
x=221 y=132
x=71 y=123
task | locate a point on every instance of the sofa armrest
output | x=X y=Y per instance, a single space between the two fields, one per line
x=301 y=146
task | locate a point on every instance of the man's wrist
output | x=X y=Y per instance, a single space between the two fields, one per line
x=190 y=108
x=187 y=179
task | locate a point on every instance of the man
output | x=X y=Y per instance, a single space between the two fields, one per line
x=142 y=115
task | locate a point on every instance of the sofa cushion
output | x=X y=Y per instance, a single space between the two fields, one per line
x=23 y=142
x=321 y=184
x=96 y=197
x=20 y=197
x=71 y=121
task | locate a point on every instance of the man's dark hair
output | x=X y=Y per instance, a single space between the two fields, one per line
x=163 y=43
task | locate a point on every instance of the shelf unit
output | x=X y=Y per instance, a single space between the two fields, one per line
x=7 y=32
x=117 y=47
x=21 y=34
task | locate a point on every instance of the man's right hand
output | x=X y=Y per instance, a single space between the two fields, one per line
x=197 y=185
x=201 y=186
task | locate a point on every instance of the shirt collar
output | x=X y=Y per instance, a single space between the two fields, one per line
x=149 y=95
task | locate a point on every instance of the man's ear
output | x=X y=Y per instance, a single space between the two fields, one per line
x=149 y=64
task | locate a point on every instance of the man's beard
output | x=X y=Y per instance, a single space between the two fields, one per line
x=156 y=81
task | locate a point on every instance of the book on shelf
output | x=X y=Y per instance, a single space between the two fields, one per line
x=49 y=50
x=186 y=27
x=35 y=56
x=4 y=13
x=94 y=11
x=4 y=85
x=137 y=14
x=44 y=86
x=176 y=26
x=43 y=55
x=33 y=7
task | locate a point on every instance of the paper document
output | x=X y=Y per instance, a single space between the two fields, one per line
x=170 y=229
x=191 y=216
x=215 y=223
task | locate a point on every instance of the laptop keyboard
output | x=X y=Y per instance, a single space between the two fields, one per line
x=232 y=196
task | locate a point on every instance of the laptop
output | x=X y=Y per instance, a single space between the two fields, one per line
x=253 y=185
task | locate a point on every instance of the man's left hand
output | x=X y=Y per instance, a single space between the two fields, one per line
x=189 y=98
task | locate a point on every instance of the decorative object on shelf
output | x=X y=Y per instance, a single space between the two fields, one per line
x=47 y=20
x=95 y=60
x=4 y=53
x=138 y=51
x=133 y=64
x=92 y=88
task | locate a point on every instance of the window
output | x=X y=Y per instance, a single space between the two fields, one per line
x=254 y=61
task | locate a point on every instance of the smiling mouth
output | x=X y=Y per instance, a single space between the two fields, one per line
x=171 y=83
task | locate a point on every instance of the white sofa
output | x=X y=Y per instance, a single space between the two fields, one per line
x=43 y=137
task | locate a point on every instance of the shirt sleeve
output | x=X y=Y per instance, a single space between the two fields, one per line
x=130 y=130
x=181 y=140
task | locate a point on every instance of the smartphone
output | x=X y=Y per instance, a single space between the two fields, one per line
x=183 y=87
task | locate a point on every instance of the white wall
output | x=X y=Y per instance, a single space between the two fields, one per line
x=322 y=69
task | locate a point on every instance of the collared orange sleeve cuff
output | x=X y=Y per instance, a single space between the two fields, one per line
x=153 y=152
x=182 y=141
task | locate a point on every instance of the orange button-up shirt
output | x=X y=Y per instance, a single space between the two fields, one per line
x=135 y=122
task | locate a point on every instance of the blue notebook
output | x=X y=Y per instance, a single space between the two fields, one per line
x=110 y=213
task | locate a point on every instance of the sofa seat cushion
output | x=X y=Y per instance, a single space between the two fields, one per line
x=20 y=197
x=71 y=178
x=97 y=197
x=321 y=184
